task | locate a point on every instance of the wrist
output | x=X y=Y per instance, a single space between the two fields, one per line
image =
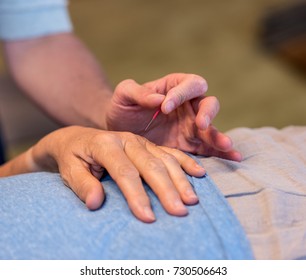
x=39 y=157
x=30 y=162
x=92 y=112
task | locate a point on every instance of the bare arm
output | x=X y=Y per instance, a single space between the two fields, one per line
x=61 y=75
x=81 y=154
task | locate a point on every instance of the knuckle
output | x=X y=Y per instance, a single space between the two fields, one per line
x=130 y=139
x=128 y=81
x=133 y=139
x=103 y=138
x=154 y=164
x=129 y=135
x=200 y=82
x=127 y=170
x=102 y=144
x=168 y=157
x=180 y=97
x=216 y=103
x=123 y=84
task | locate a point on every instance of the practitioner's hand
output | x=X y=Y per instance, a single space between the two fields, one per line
x=185 y=118
x=82 y=154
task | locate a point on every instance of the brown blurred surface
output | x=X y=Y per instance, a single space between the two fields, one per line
x=145 y=40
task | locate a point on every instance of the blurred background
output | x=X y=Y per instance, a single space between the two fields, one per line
x=144 y=40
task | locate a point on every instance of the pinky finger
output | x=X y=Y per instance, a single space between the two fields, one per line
x=190 y=166
x=230 y=155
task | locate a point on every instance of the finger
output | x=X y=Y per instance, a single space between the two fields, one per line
x=215 y=139
x=155 y=173
x=97 y=170
x=133 y=93
x=192 y=86
x=233 y=154
x=88 y=188
x=208 y=108
x=176 y=172
x=124 y=173
x=189 y=165
x=217 y=144
x=192 y=167
x=230 y=155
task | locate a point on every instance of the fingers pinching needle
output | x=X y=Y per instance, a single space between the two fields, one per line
x=153 y=118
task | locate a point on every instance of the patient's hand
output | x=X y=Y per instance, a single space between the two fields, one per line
x=82 y=154
x=185 y=118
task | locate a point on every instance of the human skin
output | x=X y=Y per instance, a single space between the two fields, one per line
x=81 y=155
x=63 y=77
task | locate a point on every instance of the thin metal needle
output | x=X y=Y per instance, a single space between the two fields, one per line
x=153 y=118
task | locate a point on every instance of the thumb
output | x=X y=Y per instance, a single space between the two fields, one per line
x=87 y=187
x=129 y=92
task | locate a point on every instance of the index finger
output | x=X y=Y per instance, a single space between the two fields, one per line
x=114 y=159
x=188 y=88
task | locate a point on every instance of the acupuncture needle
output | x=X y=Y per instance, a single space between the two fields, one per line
x=153 y=118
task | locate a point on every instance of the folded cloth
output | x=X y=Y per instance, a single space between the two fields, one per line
x=267 y=190
x=43 y=219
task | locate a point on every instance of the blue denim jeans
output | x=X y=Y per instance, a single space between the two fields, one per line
x=43 y=219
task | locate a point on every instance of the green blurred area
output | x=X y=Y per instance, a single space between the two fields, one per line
x=218 y=40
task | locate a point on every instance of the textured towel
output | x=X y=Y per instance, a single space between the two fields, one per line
x=42 y=219
x=267 y=190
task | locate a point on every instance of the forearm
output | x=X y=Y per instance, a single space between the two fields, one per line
x=61 y=75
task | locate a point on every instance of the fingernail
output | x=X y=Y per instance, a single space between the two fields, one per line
x=207 y=121
x=180 y=207
x=190 y=193
x=149 y=213
x=199 y=167
x=169 y=107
